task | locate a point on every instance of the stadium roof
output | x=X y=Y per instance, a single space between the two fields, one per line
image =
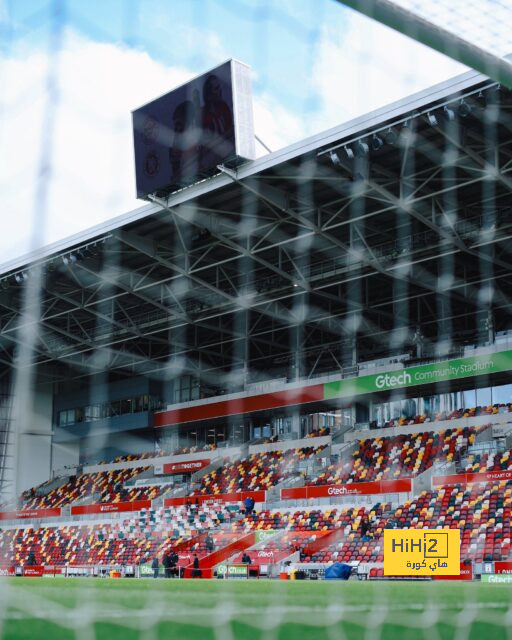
x=292 y=253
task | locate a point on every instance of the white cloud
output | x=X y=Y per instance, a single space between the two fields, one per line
x=368 y=66
x=274 y=124
x=90 y=158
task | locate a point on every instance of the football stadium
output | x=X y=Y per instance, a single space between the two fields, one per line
x=218 y=409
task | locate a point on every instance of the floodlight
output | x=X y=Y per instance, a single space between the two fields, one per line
x=377 y=143
x=432 y=120
x=390 y=136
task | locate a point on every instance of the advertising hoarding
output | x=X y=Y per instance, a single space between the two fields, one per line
x=30 y=514
x=233 y=570
x=33 y=572
x=240 y=496
x=110 y=507
x=467 y=478
x=495 y=578
x=503 y=566
x=342 y=490
x=420 y=375
x=466 y=573
x=190 y=466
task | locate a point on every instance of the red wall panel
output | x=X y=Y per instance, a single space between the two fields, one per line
x=466 y=478
x=111 y=507
x=238 y=406
x=185 y=467
x=340 y=490
x=30 y=514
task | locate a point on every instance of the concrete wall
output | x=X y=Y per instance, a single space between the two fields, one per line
x=108 y=446
x=282 y=445
x=65 y=454
x=105 y=393
x=34 y=439
x=105 y=426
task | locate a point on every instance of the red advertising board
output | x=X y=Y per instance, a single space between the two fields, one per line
x=466 y=573
x=30 y=514
x=110 y=507
x=54 y=571
x=342 y=490
x=265 y=556
x=466 y=478
x=224 y=408
x=33 y=572
x=257 y=496
x=503 y=567
x=191 y=466
x=7 y=571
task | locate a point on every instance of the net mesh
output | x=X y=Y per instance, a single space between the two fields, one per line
x=483 y=23
x=473 y=33
x=71 y=72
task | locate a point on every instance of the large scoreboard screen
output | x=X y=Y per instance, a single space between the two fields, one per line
x=183 y=136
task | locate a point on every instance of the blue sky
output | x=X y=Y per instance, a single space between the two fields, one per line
x=315 y=65
x=279 y=40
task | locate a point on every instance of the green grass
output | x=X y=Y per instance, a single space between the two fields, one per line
x=58 y=609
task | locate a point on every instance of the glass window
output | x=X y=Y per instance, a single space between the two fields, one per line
x=114 y=408
x=67 y=417
x=92 y=412
x=502 y=394
x=377 y=413
x=409 y=408
x=125 y=406
x=139 y=404
x=396 y=410
x=470 y=399
x=483 y=397
x=428 y=406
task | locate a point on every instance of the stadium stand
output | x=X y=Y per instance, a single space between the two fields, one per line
x=104 y=486
x=479 y=463
x=394 y=457
x=482 y=513
x=257 y=471
x=317 y=534
x=160 y=454
x=456 y=414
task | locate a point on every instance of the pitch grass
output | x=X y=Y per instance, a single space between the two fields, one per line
x=91 y=609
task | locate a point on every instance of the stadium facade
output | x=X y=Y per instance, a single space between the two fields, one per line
x=351 y=282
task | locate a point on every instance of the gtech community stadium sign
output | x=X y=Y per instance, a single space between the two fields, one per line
x=346 y=389
x=420 y=375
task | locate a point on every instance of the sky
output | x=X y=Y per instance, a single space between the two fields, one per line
x=72 y=71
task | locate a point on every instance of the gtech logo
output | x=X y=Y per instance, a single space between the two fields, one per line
x=390 y=381
x=341 y=491
x=421 y=552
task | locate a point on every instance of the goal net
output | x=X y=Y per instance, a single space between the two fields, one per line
x=372 y=236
